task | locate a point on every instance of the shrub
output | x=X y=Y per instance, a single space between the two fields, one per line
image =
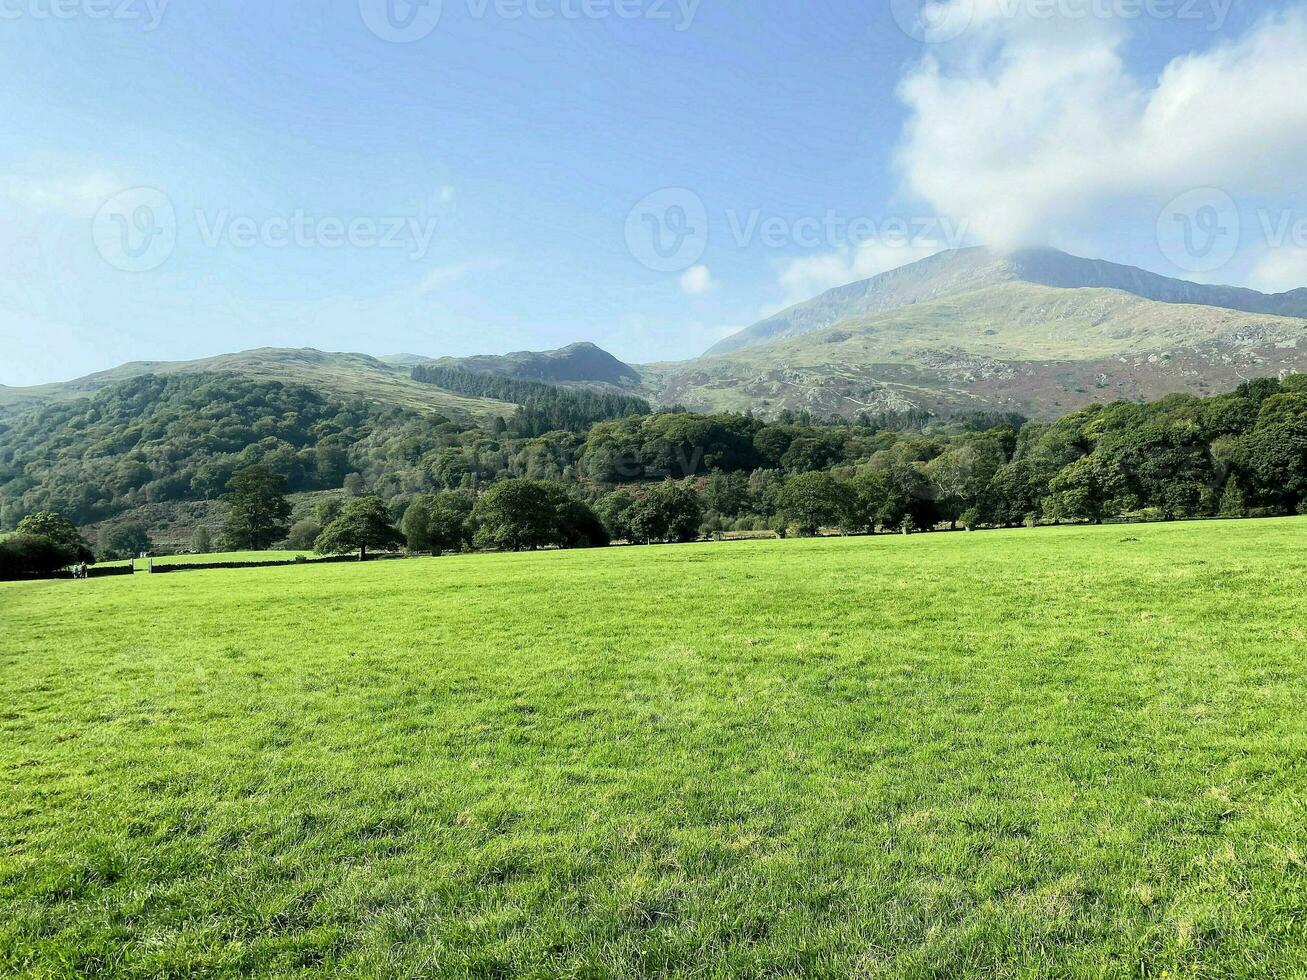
x=303 y=535
x=33 y=556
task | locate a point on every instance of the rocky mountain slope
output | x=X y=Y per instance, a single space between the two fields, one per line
x=966 y=270
x=1011 y=346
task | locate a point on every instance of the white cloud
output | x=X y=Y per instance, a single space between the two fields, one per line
x=697 y=280
x=1027 y=127
x=1280 y=270
x=804 y=278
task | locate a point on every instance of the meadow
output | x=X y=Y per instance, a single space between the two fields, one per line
x=1033 y=753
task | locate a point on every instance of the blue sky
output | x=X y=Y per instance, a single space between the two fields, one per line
x=489 y=168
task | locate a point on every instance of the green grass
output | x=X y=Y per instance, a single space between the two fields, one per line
x=1033 y=753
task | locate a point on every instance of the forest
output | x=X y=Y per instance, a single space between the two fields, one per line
x=184 y=438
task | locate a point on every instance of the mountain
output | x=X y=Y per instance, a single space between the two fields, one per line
x=343 y=376
x=583 y=364
x=967 y=270
x=1039 y=332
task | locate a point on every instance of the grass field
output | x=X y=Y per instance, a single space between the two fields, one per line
x=1031 y=754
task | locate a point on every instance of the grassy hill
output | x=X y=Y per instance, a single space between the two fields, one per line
x=336 y=375
x=1014 y=346
x=1029 y=753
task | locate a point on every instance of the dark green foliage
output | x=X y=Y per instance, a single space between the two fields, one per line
x=579 y=526
x=303 y=535
x=1233 y=503
x=124 y=540
x=33 y=556
x=543 y=407
x=524 y=515
x=438 y=522
x=810 y=502
x=328 y=510
x=414 y=525
x=668 y=512
x=58 y=529
x=449 y=522
x=614 y=509
x=1087 y=490
x=257 y=509
x=155 y=439
x=670 y=446
x=517 y=515
x=363 y=524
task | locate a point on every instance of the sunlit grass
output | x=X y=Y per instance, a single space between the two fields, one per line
x=1028 y=753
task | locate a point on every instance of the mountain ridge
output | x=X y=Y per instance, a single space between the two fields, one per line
x=963 y=270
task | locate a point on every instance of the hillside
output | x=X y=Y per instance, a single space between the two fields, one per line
x=582 y=363
x=1011 y=346
x=341 y=376
x=967 y=270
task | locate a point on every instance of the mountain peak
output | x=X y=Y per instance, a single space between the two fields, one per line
x=964 y=270
x=578 y=363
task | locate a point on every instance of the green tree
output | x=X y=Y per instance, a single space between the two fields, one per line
x=449 y=522
x=1233 y=503
x=303 y=535
x=414 y=525
x=523 y=515
x=811 y=501
x=877 y=500
x=670 y=511
x=959 y=476
x=328 y=509
x=125 y=540
x=614 y=509
x=355 y=485
x=364 y=523
x=257 y=509
x=33 y=556
x=202 y=541
x=579 y=526
x=518 y=515
x=1087 y=490
x=727 y=493
x=60 y=530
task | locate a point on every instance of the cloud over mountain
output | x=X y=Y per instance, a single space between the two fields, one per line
x=1028 y=127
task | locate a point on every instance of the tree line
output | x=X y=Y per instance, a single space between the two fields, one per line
x=662 y=476
x=541 y=407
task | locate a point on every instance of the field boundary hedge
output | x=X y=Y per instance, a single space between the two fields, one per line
x=282 y=563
